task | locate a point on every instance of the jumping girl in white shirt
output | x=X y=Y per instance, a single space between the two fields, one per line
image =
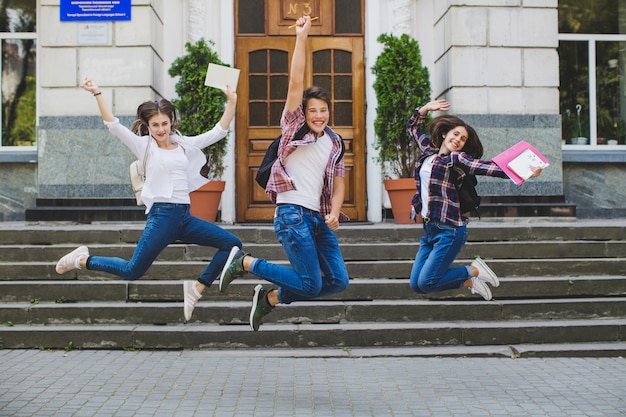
x=172 y=172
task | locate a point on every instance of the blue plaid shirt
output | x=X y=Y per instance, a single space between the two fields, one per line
x=443 y=203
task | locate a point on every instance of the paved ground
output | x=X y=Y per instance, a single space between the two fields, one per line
x=264 y=383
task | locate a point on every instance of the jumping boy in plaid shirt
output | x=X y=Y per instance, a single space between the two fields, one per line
x=307 y=185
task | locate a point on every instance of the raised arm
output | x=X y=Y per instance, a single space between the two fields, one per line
x=298 y=63
x=105 y=111
x=229 y=111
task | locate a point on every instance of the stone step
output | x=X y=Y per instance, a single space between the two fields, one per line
x=168 y=270
x=350 y=251
x=562 y=282
x=549 y=229
x=325 y=312
x=89 y=210
x=343 y=336
x=86 y=214
x=73 y=291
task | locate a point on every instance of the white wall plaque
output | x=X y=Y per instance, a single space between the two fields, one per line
x=90 y=33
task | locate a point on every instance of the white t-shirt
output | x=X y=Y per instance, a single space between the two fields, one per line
x=307 y=167
x=175 y=161
x=425 y=172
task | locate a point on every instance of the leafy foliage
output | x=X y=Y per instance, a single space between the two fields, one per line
x=200 y=106
x=402 y=83
x=23 y=131
x=597 y=16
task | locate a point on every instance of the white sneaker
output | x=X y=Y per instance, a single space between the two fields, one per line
x=71 y=261
x=191 y=297
x=479 y=287
x=485 y=273
x=234 y=251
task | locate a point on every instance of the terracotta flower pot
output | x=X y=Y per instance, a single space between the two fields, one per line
x=401 y=191
x=205 y=201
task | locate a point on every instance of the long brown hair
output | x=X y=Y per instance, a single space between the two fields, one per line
x=440 y=126
x=148 y=109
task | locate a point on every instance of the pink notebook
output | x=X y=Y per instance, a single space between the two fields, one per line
x=507 y=159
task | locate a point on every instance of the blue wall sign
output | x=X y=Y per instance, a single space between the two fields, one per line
x=95 y=10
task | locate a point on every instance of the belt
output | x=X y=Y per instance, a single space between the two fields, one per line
x=299 y=207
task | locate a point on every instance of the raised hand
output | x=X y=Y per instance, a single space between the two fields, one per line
x=90 y=85
x=438 y=105
x=231 y=95
x=303 y=25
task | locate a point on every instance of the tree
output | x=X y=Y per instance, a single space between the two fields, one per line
x=402 y=83
x=200 y=106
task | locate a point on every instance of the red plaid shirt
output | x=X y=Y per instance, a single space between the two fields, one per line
x=280 y=181
x=443 y=203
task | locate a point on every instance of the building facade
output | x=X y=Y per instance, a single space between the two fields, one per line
x=496 y=61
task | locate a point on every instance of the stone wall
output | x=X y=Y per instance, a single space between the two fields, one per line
x=499 y=132
x=77 y=156
x=496 y=62
x=597 y=189
x=18 y=191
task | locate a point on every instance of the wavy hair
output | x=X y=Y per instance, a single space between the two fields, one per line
x=440 y=126
x=148 y=109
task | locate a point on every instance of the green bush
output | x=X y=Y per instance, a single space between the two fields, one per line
x=200 y=106
x=401 y=84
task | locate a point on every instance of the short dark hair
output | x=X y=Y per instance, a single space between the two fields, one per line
x=315 y=92
x=440 y=126
x=148 y=109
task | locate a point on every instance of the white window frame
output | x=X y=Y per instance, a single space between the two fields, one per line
x=591 y=40
x=20 y=35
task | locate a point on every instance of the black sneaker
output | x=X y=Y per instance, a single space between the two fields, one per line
x=260 y=307
x=233 y=267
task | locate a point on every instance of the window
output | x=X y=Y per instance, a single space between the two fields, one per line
x=18 y=40
x=592 y=65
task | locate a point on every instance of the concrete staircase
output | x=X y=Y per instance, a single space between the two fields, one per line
x=563 y=291
x=89 y=210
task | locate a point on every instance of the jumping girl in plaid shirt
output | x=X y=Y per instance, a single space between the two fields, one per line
x=452 y=145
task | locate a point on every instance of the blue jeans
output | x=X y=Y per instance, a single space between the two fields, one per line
x=439 y=247
x=168 y=222
x=317 y=266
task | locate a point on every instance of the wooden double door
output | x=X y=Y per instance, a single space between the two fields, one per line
x=334 y=63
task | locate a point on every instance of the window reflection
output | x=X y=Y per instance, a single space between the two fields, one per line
x=332 y=70
x=592 y=64
x=574 y=92
x=267 y=86
x=18 y=74
x=611 y=113
x=18 y=16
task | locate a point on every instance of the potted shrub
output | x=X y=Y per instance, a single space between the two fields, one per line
x=572 y=126
x=402 y=83
x=200 y=108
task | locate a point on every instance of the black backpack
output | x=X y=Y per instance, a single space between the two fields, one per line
x=271 y=155
x=468 y=197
